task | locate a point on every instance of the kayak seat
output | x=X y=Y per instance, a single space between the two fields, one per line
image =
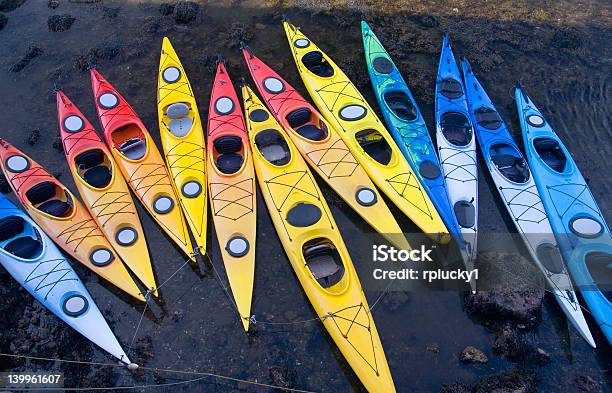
x=24 y=247
x=133 y=148
x=324 y=263
x=550 y=257
x=273 y=147
x=374 y=145
x=43 y=196
x=228 y=161
x=465 y=213
x=315 y=62
x=599 y=265
x=95 y=174
x=98 y=176
x=551 y=153
x=298 y=119
x=488 y=118
x=401 y=105
x=456 y=128
x=180 y=123
x=511 y=167
x=10 y=227
x=451 y=88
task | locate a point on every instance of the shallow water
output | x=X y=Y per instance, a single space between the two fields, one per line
x=194 y=326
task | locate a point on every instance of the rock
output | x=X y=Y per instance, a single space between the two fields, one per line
x=429 y=21
x=34 y=320
x=110 y=12
x=520 y=306
x=185 y=11
x=473 y=355
x=58 y=23
x=455 y=388
x=208 y=61
x=509 y=382
x=4 y=186
x=433 y=348
x=33 y=137
x=260 y=26
x=58 y=145
x=10 y=5
x=156 y=24
x=32 y=53
x=567 y=38
x=394 y=300
x=588 y=384
x=53 y=4
x=3 y=21
x=166 y=9
x=283 y=376
x=236 y=33
x=85 y=61
x=517 y=347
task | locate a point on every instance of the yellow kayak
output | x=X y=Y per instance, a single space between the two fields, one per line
x=345 y=108
x=183 y=140
x=231 y=181
x=314 y=246
x=103 y=189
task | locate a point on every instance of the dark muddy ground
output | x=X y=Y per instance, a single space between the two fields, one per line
x=561 y=53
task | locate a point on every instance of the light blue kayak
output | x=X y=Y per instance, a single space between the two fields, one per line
x=406 y=125
x=580 y=228
x=38 y=265
x=519 y=194
x=457 y=150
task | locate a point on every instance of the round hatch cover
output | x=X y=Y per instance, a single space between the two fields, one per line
x=352 y=112
x=191 y=189
x=101 y=257
x=536 y=120
x=366 y=196
x=171 y=74
x=382 y=65
x=73 y=123
x=126 y=236
x=303 y=215
x=163 y=204
x=273 y=85
x=17 y=164
x=237 y=246
x=301 y=43
x=586 y=227
x=108 y=100
x=75 y=305
x=224 y=105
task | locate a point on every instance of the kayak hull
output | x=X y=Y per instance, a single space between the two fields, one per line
x=108 y=200
x=182 y=139
x=231 y=178
x=63 y=218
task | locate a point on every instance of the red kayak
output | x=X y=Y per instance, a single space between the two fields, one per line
x=139 y=160
x=103 y=189
x=231 y=184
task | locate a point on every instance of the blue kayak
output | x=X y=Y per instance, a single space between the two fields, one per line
x=38 y=265
x=457 y=149
x=519 y=194
x=575 y=217
x=406 y=124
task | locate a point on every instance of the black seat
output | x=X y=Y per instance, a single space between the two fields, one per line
x=41 y=192
x=10 y=227
x=55 y=207
x=315 y=62
x=298 y=119
x=551 y=153
x=451 y=88
x=228 y=144
x=374 y=145
x=488 y=118
x=90 y=158
x=324 y=263
x=456 y=128
x=400 y=103
x=273 y=147
x=513 y=168
x=229 y=163
x=98 y=176
x=24 y=247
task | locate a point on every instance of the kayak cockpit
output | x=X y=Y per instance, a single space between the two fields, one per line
x=374 y=145
x=317 y=64
x=308 y=125
x=130 y=141
x=273 y=147
x=179 y=119
x=228 y=154
x=488 y=118
x=401 y=105
x=19 y=238
x=51 y=199
x=323 y=261
x=94 y=167
x=456 y=128
x=599 y=265
x=509 y=162
x=451 y=88
x=551 y=153
x=550 y=257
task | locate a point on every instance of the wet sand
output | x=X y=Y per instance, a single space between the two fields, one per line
x=561 y=54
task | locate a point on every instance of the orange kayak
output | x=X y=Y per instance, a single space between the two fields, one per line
x=231 y=181
x=63 y=218
x=139 y=160
x=103 y=189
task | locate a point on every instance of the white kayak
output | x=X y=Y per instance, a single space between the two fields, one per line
x=39 y=266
